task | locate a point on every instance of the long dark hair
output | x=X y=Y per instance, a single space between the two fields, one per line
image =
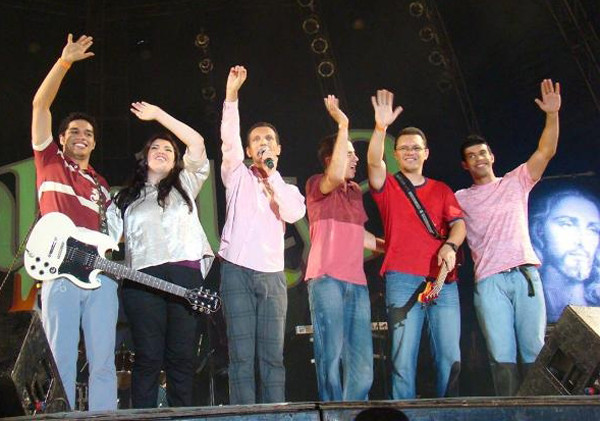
x=132 y=191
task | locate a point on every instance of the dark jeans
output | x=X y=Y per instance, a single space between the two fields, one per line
x=163 y=329
x=254 y=305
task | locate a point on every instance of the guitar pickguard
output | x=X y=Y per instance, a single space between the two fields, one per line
x=79 y=260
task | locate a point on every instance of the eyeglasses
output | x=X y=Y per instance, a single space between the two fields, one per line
x=405 y=149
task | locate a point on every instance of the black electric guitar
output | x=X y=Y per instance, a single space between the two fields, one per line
x=433 y=288
x=58 y=248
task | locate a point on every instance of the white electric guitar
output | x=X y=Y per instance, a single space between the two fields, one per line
x=57 y=248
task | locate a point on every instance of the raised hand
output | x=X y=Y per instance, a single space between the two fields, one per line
x=550 y=102
x=78 y=50
x=235 y=80
x=383 y=106
x=145 y=111
x=333 y=107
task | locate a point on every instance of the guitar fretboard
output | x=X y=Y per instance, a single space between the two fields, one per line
x=122 y=271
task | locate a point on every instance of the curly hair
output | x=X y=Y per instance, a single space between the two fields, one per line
x=133 y=189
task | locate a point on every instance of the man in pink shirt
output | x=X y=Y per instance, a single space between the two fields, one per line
x=253 y=286
x=337 y=287
x=509 y=299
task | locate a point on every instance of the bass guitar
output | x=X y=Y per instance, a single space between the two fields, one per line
x=58 y=248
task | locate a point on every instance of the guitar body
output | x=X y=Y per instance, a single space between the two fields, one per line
x=53 y=237
x=57 y=248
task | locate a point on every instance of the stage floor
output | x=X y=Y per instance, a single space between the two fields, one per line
x=547 y=408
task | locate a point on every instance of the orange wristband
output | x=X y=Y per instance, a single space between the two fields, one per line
x=64 y=63
x=378 y=128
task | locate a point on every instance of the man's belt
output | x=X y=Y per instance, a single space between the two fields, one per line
x=308 y=329
x=526 y=275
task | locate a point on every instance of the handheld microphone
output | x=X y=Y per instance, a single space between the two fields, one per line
x=269 y=161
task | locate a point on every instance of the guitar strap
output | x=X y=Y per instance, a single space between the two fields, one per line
x=408 y=189
x=102 y=221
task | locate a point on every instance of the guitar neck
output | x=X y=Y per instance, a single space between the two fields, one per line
x=122 y=271
x=441 y=278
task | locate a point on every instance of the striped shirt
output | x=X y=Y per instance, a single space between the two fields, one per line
x=64 y=187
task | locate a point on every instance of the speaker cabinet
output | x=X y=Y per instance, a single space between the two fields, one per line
x=29 y=380
x=569 y=363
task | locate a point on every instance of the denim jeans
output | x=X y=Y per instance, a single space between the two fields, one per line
x=341 y=318
x=511 y=321
x=66 y=307
x=255 y=305
x=405 y=321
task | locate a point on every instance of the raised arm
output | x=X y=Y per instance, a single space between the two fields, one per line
x=336 y=170
x=550 y=104
x=233 y=152
x=41 y=120
x=384 y=116
x=236 y=78
x=192 y=139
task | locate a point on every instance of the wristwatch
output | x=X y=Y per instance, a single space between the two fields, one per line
x=451 y=244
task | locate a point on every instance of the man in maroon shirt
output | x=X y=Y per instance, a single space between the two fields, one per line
x=68 y=184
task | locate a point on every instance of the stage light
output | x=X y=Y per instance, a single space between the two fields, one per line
x=311 y=25
x=319 y=45
x=416 y=9
x=208 y=93
x=306 y=3
x=34 y=47
x=326 y=68
x=444 y=85
x=205 y=65
x=436 y=58
x=428 y=34
x=202 y=40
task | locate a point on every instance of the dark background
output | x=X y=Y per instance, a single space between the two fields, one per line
x=480 y=73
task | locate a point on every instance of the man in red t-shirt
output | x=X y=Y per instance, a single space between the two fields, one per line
x=337 y=286
x=413 y=255
x=67 y=183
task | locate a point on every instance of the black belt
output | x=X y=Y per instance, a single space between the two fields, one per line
x=526 y=275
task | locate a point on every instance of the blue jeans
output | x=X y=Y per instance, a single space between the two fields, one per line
x=64 y=308
x=341 y=318
x=405 y=321
x=511 y=321
x=255 y=305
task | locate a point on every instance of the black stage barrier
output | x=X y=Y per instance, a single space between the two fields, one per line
x=569 y=363
x=555 y=408
x=29 y=380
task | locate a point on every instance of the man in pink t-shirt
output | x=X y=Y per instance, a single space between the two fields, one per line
x=337 y=287
x=509 y=299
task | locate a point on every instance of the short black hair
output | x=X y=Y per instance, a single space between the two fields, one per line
x=262 y=124
x=326 y=148
x=77 y=115
x=472 y=140
x=411 y=131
